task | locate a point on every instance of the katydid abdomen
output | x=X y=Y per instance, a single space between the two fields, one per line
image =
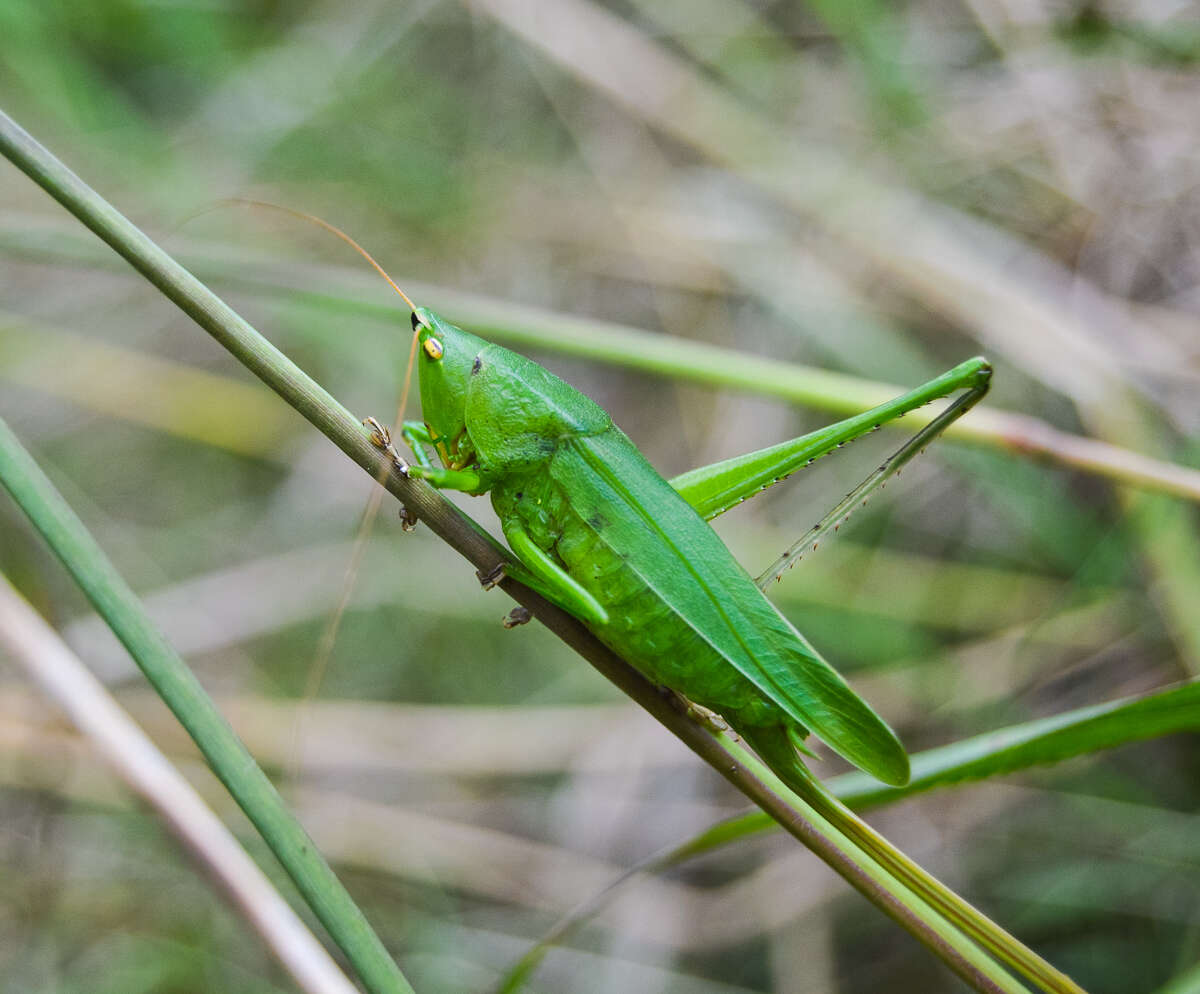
x=680 y=607
x=642 y=627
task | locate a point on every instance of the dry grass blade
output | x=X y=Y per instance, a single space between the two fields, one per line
x=34 y=645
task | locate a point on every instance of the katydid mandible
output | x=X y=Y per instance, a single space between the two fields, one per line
x=596 y=530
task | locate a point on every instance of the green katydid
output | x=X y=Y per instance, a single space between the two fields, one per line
x=596 y=530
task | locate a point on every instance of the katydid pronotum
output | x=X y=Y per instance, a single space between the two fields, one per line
x=596 y=530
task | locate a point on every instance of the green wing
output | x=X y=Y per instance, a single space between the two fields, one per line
x=683 y=562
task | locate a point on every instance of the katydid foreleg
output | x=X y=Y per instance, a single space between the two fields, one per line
x=417 y=437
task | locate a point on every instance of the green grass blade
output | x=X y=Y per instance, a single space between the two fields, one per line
x=1187 y=982
x=870 y=31
x=975 y=966
x=1037 y=743
x=183 y=694
x=1007 y=750
x=992 y=937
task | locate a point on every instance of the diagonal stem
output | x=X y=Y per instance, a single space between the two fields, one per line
x=733 y=762
x=181 y=691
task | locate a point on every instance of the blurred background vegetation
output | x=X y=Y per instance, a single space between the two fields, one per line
x=877 y=189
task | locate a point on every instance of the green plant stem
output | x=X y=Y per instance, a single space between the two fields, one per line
x=897 y=888
x=299 y=390
x=1006 y=750
x=183 y=694
x=969 y=919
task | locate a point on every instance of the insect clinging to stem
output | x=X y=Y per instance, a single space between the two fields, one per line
x=595 y=529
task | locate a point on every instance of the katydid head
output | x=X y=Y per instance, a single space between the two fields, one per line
x=448 y=359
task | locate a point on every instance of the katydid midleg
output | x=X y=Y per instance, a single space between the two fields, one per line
x=596 y=530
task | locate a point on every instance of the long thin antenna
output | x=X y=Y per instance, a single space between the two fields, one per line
x=324 y=653
x=320 y=663
x=332 y=229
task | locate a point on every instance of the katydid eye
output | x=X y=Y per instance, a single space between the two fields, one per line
x=433 y=348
